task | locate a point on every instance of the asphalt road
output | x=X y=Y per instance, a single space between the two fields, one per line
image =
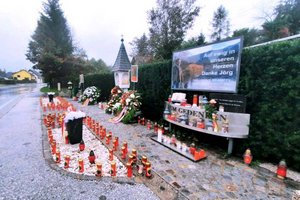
x=10 y=95
x=24 y=173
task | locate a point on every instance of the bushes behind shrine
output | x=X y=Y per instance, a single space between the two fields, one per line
x=104 y=82
x=154 y=84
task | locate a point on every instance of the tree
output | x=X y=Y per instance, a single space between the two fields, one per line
x=251 y=36
x=220 y=24
x=288 y=15
x=51 y=47
x=97 y=67
x=284 y=22
x=168 y=25
x=193 y=42
x=140 y=46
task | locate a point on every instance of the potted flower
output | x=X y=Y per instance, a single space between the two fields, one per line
x=50 y=96
x=73 y=121
x=91 y=93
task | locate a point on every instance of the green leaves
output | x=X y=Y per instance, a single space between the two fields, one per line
x=51 y=47
x=270 y=79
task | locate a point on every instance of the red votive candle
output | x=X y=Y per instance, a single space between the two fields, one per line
x=67 y=161
x=123 y=156
x=113 y=170
x=129 y=170
x=111 y=155
x=99 y=169
x=81 y=165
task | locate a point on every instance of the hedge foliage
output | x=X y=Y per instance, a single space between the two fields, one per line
x=104 y=82
x=270 y=80
x=154 y=85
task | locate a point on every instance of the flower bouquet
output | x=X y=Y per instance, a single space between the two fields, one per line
x=90 y=93
x=114 y=105
x=211 y=108
x=132 y=100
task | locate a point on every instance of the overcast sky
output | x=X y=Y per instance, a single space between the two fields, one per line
x=97 y=25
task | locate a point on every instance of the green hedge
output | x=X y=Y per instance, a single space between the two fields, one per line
x=7 y=82
x=154 y=85
x=104 y=82
x=270 y=80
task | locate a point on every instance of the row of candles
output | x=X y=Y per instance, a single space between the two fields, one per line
x=143 y=166
x=61 y=105
x=49 y=121
x=160 y=130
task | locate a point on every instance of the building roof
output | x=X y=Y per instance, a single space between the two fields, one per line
x=20 y=71
x=122 y=62
x=35 y=73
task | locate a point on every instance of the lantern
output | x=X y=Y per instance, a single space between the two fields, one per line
x=123 y=156
x=170 y=99
x=81 y=165
x=129 y=170
x=139 y=119
x=134 y=154
x=125 y=146
x=115 y=145
x=201 y=124
x=247 y=157
x=111 y=155
x=117 y=141
x=144 y=161
x=148 y=125
x=148 y=170
x=99 y=169
x=81 y=145
x=130 y=160
x=281 y=169
x=67 y=161
x=155 y=127
x=195 y=100
x=53 y=145
x=113 y=170
x=192 y=149
x=166 y=112
x=92 y=157
x=107 y=139
x=57 y=156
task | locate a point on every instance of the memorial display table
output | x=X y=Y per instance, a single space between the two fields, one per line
x=238 y=127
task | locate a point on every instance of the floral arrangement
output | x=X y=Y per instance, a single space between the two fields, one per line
x=113 y=106
x=132 y=100
x=211 y=108
x=119 y=100
x=74 y=115
x=92 y=93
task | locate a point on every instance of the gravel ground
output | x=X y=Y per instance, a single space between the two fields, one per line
x=25 y=174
